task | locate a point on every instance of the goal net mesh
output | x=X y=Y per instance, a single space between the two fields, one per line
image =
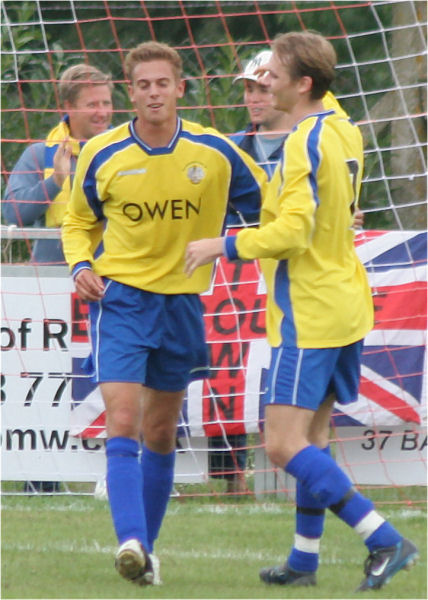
x=381 y=80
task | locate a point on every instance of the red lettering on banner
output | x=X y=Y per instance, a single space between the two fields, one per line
x=79 y=319
x=234 y=315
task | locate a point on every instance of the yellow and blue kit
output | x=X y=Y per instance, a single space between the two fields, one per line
x=318 y=293
x=153 y=202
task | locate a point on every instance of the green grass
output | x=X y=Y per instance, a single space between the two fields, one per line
x=63 y=547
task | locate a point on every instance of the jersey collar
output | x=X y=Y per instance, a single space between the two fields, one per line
x=161 y=150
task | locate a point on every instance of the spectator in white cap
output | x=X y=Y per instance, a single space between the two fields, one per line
x=270 y=124
x=264 y=136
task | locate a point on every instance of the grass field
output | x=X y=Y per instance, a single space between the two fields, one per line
x=63 y=547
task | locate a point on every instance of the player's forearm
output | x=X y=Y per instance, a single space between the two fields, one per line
x=76 y=243
x=280 y=239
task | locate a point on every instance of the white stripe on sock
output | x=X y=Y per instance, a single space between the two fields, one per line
x=369 y=524
x=304 y=544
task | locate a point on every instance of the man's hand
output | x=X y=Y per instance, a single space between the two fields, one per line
x=358 y=219
x=89 y=286
x=62 y=162
x=201 y=253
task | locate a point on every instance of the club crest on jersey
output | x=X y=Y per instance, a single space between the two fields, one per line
x=195 y=173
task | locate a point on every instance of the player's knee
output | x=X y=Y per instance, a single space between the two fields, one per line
x=160 y=437
x=282 y=449
x=122 y=422
x=277 y=453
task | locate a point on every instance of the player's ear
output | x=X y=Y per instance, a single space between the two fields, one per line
x=181 y=88
x=130 y=92
x=305 y=83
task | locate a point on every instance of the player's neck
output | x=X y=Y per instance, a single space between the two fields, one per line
x=304 y=108
x=156 y=135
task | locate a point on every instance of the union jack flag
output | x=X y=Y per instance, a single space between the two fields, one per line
x=393 y=375
x=392 y=390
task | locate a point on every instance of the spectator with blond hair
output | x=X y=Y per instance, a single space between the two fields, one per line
x=39 y=186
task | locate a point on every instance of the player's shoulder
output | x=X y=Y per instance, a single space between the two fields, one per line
x=340 y=118
x=337 y=131
x=191 y=128
x=342 y=125
x=311 y=132
x=321 y=122
x=330 y=102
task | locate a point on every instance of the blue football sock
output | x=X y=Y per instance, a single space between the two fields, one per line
x=124 y=489
x=158 y=478
x=384 y=536
x=332 y=487
x=310 y=517
x=358 y=512
x=320 y=475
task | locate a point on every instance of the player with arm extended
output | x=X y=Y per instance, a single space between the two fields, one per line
x=319 y=308
x=39 y=185
x=263 y=139
x=158 y=182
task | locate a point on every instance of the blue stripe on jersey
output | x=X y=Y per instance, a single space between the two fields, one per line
x=314 y=157
x=282 y=299
x=313 y=153
x=90 y=183
x=247 y=196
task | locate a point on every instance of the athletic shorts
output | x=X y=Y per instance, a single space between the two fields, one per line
x=157 y=340
x=305 y=376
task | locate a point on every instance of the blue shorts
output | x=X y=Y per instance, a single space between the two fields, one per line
x=306 y=376
x=157 y=340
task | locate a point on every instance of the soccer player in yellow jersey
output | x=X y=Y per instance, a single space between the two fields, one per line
x=319 y=308
x=157 y=183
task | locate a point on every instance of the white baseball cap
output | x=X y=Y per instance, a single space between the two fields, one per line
x=259 y=60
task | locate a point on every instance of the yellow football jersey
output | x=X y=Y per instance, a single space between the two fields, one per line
x=318 y=292
x=154 y=201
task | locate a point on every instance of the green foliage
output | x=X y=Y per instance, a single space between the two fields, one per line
x=214 y=92
x=65 y=547
x=214 y=40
